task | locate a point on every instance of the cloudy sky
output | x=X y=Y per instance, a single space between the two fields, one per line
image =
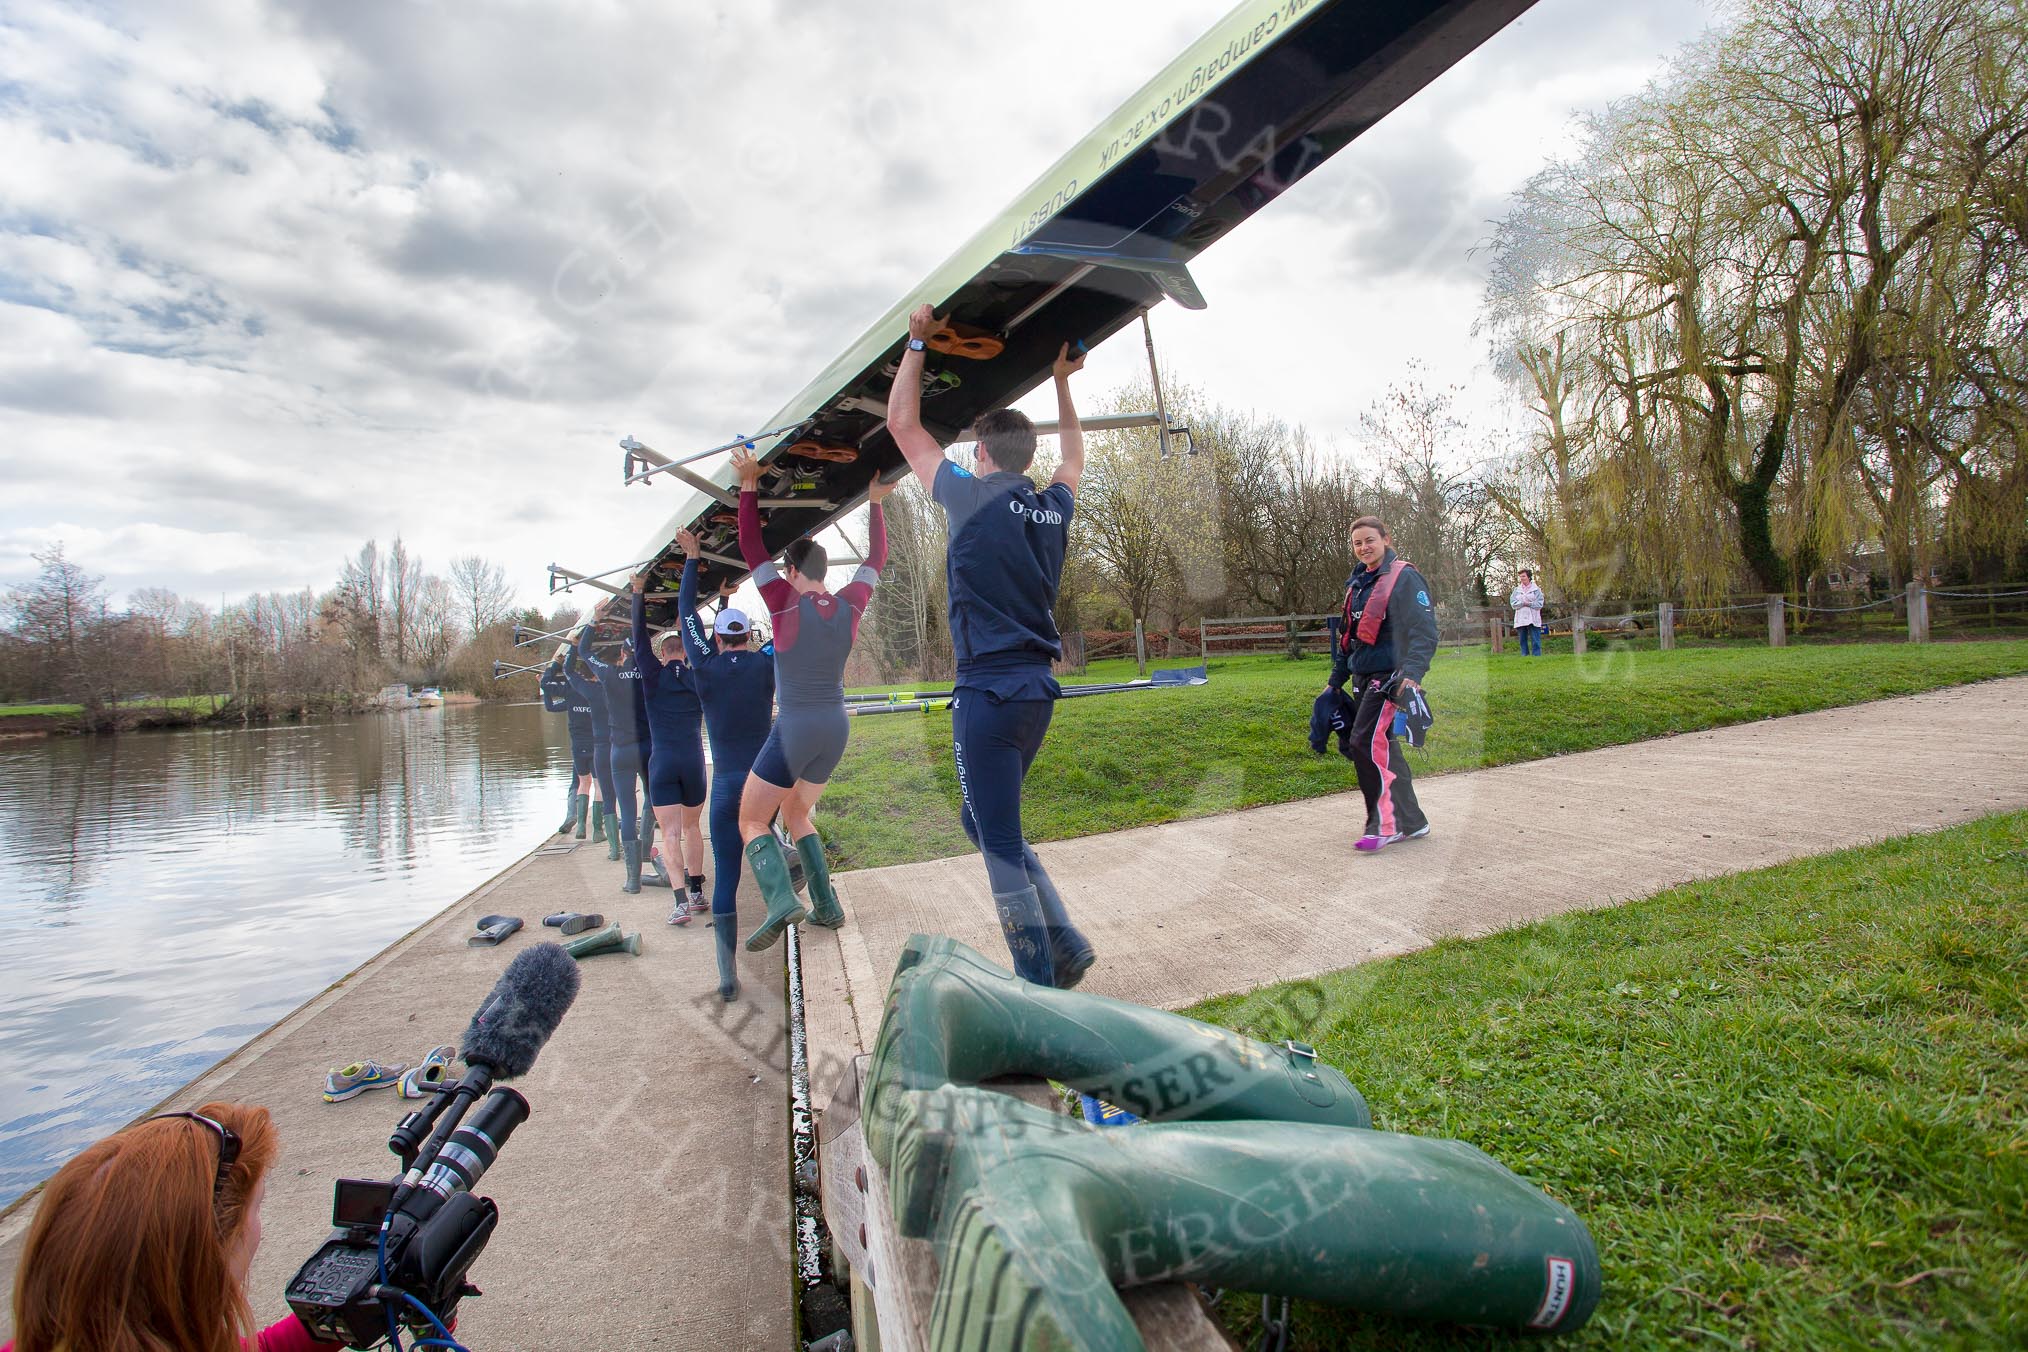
x=276 y=278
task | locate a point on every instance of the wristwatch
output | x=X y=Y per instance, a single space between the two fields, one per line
x=916 y=345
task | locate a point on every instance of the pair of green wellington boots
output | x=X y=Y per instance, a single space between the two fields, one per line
x=607 y=940
x=770 y=868
x=1256 y=1169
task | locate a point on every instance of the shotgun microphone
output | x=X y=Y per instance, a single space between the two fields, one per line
x=526 y=1005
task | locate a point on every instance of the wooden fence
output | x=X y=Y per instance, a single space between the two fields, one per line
x=1917 y=614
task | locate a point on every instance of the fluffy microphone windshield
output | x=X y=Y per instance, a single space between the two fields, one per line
x=527 y=1003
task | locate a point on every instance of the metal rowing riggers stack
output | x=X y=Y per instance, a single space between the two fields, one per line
x=1256 y=1169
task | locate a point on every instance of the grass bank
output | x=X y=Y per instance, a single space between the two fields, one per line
x=183 y=704
x=1115 y=761
x=1792 y=1105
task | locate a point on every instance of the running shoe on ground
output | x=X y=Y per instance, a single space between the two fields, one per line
x=426 y=1077
x=680 y=913
x=1374 y=844
x=1419 y=833
x=699 y=904
x=348 y=1081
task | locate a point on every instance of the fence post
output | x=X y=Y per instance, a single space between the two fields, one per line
x=1577 y=635
x=1918 y=613
x=1204 y=638
x=1777 y=620
x=1496 y=634
x=1140 y=649
x=1665 y=625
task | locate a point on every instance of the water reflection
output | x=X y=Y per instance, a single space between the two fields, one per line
x=166 y=896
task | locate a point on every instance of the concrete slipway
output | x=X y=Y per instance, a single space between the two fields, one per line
x=646 y=1200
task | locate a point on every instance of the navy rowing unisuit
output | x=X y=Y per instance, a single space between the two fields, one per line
x=1007 y=543
x=626 y=724
x=675 y=722
x=559 y=698
x=594 y=702
x=737 y=689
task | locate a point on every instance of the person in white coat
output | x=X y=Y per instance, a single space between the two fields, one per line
x=1526 y=600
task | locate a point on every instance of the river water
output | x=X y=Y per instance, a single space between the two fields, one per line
x=166 y=896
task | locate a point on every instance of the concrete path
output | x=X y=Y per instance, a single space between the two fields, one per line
x=646 y=1200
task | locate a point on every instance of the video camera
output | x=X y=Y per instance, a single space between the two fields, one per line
x=401 y=1247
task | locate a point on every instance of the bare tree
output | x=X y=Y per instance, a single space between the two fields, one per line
x=483 y=596
x=1440 y=515
x=910 y=632
x=63 y=614
x=433 y=625
x=404 y=590
x=361 y=600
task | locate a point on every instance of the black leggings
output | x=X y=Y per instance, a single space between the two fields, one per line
x=627 y=780
x=995 y=745
x=728 y=851
x=1384 y=779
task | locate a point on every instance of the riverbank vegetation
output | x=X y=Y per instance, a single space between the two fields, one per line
x=1789 y=1104
x=73 y=661
x=1138 y=758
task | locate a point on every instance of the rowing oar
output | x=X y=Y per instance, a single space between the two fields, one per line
x=858 y=706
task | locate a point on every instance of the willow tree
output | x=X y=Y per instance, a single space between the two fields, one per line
x=1724 y=261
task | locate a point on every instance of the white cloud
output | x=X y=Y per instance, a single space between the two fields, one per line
x=277 y=277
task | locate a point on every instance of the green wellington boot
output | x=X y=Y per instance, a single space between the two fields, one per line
x=1036 y=1217
x=824 y=907
x=607 y=940
x=770 y=869
x=570 y=815
x=1070 y=953
x=612 y=833
x=952 y=1017
x=583 y=811
x=633 y=853
x=724 y=934
x=647 y=830
x=598 y=820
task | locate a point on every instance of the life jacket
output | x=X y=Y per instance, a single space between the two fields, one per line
x=1375 y=613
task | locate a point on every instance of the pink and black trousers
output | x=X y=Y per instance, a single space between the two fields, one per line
x=1384 y=778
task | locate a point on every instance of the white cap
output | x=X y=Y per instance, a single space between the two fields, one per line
x=731 y=621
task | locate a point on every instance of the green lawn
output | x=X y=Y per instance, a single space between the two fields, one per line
x=1115 y=761
x=172 y=702
x=1792 y=1105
